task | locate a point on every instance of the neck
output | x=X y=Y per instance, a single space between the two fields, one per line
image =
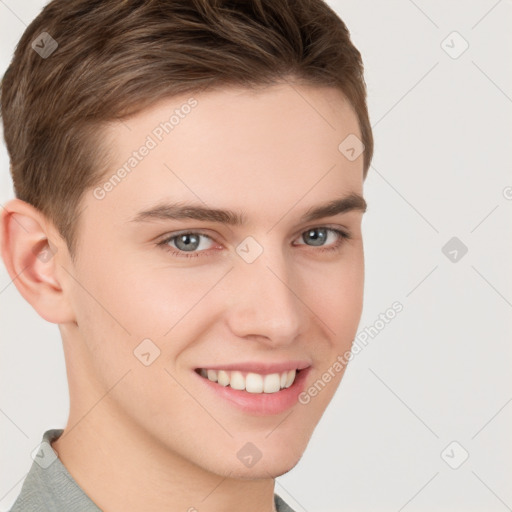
x=121 y=468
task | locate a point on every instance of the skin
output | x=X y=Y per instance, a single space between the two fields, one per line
x=148 y=437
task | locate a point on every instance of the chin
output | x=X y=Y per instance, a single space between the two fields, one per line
x=269 y=466
x=260 y=471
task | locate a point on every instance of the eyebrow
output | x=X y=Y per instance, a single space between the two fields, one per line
x=178 y=211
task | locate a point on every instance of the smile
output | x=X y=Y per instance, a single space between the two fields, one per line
x=249 y=381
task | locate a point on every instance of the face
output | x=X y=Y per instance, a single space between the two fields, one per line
x=160 y=295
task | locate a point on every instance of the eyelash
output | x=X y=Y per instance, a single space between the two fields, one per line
x=183 y=254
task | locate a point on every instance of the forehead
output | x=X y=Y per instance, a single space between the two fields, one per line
x=236 y=148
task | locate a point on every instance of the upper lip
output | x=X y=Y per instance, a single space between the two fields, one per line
x=261 y=367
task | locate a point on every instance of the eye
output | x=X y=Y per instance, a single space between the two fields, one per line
x=319 y=235
x=190 y=241
x=186 y=242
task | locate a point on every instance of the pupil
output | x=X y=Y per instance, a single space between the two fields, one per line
x=185 y=238
x=318 y=239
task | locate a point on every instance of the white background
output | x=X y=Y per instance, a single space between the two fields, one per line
x=440 y=371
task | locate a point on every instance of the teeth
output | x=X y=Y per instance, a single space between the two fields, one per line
x=272 y=383
x=223 y=378
x=290 y=379
x=237 y=381
x=252 y=382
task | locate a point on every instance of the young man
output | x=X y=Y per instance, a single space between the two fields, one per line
x=189 y=196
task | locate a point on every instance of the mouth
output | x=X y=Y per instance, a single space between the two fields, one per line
x=258 y=388
x=251 y=382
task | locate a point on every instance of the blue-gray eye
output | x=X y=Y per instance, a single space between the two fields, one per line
x=317 y=239
x=187 y=242
x=190 y=242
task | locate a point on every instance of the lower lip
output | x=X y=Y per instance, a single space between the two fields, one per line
x=260 y=403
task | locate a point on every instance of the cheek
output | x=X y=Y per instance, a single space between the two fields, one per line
x=144 y=302
x=166 y=301
x=335 y=295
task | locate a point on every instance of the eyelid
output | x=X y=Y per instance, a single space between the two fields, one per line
x=344 y=236
x=199 y=231
x=342 y=232
x=174 y=234
x=325 y=226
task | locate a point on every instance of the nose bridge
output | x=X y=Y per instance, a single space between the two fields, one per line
x=264 y=301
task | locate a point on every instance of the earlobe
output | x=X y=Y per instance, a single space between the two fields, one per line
x=30 y=257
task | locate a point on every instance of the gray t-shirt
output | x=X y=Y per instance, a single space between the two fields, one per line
x=49 y=487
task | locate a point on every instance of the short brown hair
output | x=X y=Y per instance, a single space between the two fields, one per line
x=116 y=57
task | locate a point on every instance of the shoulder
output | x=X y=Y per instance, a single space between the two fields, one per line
x=48 y=486
x=281 y=505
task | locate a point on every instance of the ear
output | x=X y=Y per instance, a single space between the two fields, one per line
x=32 y=251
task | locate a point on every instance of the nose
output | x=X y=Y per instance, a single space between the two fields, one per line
x=265 y=301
